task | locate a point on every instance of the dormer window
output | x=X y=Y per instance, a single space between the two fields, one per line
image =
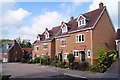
x=81 y=21
x=46 y=34
x=64 y=28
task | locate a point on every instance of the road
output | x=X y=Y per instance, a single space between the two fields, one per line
x=18 y=70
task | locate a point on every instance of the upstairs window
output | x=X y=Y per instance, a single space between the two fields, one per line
x=63 y=42
x=46 y=36
x=81 y=21
x=80 y=38
x=64 y=28
x=36 y=48
x=45 y=46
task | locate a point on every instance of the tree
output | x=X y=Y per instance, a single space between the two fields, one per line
x=26 y=44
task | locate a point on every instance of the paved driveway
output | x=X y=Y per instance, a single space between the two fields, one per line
x=18 y=70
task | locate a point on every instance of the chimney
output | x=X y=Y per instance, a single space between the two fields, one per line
x=71 y=18
x=101 y=5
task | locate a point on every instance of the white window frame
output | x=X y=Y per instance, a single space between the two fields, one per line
x=88 y=53
x=65 y=55
x=36 y=48
x=76 y=51
x=47 y=36
x=45 y=48
x=81 y=22
x=61 y=42
x=78 y=38
x=64 y=28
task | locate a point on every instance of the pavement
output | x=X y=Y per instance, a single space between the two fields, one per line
x=18 y=70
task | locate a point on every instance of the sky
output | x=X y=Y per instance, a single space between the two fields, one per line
x=26 y=19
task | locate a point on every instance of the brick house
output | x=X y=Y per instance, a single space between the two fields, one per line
x=45 y=45
x=11 y=51
x=81 y=36
x=118 y=41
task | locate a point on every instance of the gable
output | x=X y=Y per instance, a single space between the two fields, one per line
x=64 y=28
x=81 y=17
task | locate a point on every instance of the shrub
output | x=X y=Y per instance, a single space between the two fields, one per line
x=36 y=60
x=45 y=60
x=56 y=62
x=64 y=65
x=80 y=66
x=70 y=58
x=104 y=60
x=24 y=60
x=101 y=65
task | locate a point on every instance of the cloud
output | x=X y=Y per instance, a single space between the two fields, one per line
x=112 y=7
x=39 y=23
x=11 y=21
x=14 y=18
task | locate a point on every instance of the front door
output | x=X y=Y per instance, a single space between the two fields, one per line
x=82 y=56
x=60 y=56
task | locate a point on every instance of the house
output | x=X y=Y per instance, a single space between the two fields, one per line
x=84 y=35
x=10 y=51
x=45 y=45
x=27 y=53
x=80 y=36
x=118 y=41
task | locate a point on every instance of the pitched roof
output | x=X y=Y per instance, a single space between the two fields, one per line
x=52 y=33
x=3 y=46
x=91 y=19
x=118 y=34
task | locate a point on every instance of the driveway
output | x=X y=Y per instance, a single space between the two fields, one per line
x=18 y=70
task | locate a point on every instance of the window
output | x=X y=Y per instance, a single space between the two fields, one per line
x=7 y=46
x=46 y=36
x=81 y=21
x=64 y=28
x=45 y=46
x=65 y=55
x=80 y=38
x=88 y=53
x=36 y=48
x=76 y=53
x=63 y=42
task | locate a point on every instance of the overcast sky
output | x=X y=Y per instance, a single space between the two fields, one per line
x=26 y=19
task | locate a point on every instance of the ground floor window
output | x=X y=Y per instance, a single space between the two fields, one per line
x=88 y=53
x=76 y=53
x=65 y=55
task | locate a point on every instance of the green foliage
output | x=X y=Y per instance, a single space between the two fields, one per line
x=64 y=65
x=5 y=40
x=24 y=60
x=25 y=44
x=71 y=58
x=45 y=60
x=104 y=60
x=56 y=62
x=101 y=65
x=82 y=66
x=36 y=60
